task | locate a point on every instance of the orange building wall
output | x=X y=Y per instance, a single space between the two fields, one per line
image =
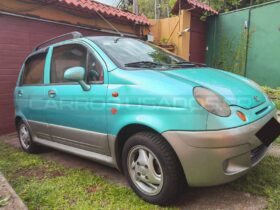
x=52 y=13
x=171 y=28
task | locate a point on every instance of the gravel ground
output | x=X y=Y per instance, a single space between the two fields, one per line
x=221 y=197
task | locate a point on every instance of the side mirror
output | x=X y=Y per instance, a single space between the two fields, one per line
x=77 y=74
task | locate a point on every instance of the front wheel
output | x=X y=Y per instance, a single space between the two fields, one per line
x=152 y=168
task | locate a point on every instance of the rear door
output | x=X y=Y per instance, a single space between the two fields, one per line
x=30 y=94
x=76 y=117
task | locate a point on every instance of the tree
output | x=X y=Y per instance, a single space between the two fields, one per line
x=228 y=5
x=147 y=7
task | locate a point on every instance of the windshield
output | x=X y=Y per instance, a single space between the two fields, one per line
x=133 y=53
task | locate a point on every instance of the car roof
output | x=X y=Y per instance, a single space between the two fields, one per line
x=67 y=41
x=95 y=38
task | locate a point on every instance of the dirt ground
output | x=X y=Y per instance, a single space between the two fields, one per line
x=275 y=151
x=221 y=197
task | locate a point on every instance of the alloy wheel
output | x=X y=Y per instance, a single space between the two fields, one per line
x=24 y=136
x=145 y=170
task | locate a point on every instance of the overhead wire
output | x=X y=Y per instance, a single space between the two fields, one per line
x=109 y=23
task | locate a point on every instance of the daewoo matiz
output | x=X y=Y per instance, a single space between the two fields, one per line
x=159 y=119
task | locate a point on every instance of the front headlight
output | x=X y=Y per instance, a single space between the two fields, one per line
x=211 y=101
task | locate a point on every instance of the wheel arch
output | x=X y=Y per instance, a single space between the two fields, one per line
x=126 y=132
x=17 y=120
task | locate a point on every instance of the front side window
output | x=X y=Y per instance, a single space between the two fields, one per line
x=34 y=70
x=94 y=68
x=65 y=57
x=73 y=55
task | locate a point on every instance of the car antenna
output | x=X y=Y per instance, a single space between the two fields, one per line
x=110 y=24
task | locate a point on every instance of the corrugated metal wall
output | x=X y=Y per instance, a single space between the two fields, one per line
x=247 y=42
x=18 y=37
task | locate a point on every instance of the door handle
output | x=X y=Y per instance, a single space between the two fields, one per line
x=52 y=93
x=20 y=93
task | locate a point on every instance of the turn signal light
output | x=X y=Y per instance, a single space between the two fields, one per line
x=115 y=94
x=114 y=111
x=241 y=116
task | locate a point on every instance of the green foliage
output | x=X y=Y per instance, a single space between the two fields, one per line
x=236 y=48
x=228 y=5
x=147 y=7
x=274 y=95
x=172 y=3
x=46 y=185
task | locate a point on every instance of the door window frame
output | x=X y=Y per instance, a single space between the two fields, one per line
x=34 y=54
x=89 y=49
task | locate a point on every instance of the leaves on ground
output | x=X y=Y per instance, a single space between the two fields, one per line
x=4 y=201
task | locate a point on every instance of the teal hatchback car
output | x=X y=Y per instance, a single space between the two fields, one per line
x=164 y=122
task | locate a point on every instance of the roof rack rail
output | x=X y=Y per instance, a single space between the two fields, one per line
x=74 y=34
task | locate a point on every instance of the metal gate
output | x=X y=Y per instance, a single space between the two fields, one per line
x=197 y=40
x=247 y=42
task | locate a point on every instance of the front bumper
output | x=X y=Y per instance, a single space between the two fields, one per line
x=215 y=157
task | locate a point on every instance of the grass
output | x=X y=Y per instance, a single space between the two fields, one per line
x=44 y=184
x=263 y=180
x=274 y=95
x=277 y=141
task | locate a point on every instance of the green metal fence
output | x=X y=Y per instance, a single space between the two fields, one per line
x=247 y=42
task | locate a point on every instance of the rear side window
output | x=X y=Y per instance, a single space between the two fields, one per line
x=34 y=70
x=65 y=57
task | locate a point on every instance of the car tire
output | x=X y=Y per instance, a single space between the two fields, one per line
x=152 y=168
x=25 y=138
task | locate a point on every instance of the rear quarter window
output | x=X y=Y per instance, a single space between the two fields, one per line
x=33 y=73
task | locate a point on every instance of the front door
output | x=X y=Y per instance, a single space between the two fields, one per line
x=76 y=117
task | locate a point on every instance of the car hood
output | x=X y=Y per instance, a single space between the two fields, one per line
x=235 y=89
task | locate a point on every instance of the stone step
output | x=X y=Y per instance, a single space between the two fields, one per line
x=7 y=193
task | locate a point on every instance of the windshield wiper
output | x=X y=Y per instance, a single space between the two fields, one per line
x=143 y=64
x=185 y=63
x=150 y=64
